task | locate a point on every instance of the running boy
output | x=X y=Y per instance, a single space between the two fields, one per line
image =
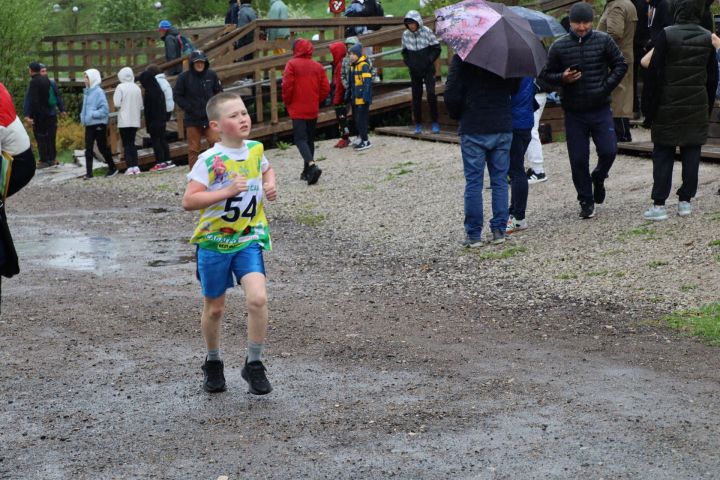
x=227 y=184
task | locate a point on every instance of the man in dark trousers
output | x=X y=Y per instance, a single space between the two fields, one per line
x=589 y=65
x=680 y=91
x=192 y=91
x=173 y=49
x=38 y=114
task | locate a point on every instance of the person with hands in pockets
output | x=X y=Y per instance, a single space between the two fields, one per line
x=228 y=184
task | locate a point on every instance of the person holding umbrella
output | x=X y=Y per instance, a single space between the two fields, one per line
x=589 y=65
x=495 y=48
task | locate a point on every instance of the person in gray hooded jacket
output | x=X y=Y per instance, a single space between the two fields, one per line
x=420 y=49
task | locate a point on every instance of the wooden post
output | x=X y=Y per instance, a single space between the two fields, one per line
x=108 y=57
x=71 y=59
x=259 y=114
x=273 y=96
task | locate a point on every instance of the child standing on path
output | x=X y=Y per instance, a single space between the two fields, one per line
x=522 y=103
x=337 y=89
x=227 y=184
x=420 y=49
x=129 y=103
x=94 y=116
x=360 y=94
x=155 y=120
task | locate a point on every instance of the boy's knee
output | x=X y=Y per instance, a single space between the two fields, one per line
x=257 y=301
x=214 y=311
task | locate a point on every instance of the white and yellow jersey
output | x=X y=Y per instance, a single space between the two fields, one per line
x=232 y=224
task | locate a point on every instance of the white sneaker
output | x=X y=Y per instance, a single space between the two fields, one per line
x=515 y=225
x=684 y=209
x=130 y=171
x=655 y=213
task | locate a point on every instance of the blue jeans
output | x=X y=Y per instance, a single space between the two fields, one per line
x=477 y=150
x=579 y=127
x=518 y=177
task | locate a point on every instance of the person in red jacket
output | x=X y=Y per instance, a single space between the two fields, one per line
x=304 y=86
x=337 y=89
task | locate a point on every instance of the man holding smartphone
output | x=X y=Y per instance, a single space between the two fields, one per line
x=589 y=65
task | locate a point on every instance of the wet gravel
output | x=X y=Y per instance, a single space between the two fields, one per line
x=394 y=352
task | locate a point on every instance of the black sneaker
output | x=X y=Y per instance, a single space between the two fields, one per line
x=362 y=146
x=303 y=175
x=111 y=173
x=213 y=378
x=587 y=210
x=313 y=174
x=534 y=177
x=254 y=374
x=598 y=188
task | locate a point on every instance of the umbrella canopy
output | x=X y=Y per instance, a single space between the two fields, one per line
x=543 y=25
x=492 y=37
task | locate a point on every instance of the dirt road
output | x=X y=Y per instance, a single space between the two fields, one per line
x=393 y=352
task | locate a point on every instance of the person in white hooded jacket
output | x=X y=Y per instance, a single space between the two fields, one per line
x=129 y=103
x=94 y=116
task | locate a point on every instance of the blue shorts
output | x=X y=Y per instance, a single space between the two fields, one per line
x=215 y=270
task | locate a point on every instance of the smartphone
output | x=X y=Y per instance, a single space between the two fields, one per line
x=575 y=67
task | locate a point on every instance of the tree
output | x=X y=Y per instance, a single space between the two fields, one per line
x=126 y=15
x=22 y=25
x=180 y=11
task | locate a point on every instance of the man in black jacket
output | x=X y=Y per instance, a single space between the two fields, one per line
x=481 y=101
x=173 y=49
x=192 y=91
x=682 y=78
x=589 y=65
x=39 y=115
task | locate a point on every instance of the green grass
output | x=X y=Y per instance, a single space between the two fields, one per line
x=66 y=156
x=703 y=322
x=505 y=254
x=283 y=145
x=566 y=276
x=714 y=243
x=320 y=159
x=688 y=288
x=400 y=169
x=598 y=273
x=657 y=263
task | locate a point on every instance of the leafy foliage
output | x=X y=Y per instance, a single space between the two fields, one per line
x=126 y=15
x=22 y=25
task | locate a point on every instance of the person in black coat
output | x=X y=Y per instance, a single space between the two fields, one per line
x=589 y=65
x=39 y=114
x=192 y=91
x=155 y=119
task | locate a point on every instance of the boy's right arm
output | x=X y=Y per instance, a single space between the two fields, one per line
x=198 y=197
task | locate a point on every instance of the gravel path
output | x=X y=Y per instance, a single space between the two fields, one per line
x=394 y=352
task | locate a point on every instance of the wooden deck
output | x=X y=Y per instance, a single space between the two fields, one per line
x=708 y=153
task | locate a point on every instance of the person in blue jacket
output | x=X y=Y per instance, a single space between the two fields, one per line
x=94 y=116
x=523 y=107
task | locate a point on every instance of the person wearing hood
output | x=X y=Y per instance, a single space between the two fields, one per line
x=173 y=49
x=679 y=97
x=155 y=120
x=337 y=92
x=94 y=116
x=193 y=89
x=304 y=86
x=278 y=11
x=420 y=49
x=589 y=65
x=619 y=20
x=166 y=89
x=359 y=95
x=128 y=102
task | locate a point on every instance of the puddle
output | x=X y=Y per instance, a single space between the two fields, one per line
x=91 y=254
x=171 y=261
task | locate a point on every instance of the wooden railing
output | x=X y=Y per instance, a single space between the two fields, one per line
x=68 y=56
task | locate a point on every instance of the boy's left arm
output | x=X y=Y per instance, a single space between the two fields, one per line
x=367 y=84
x=269 y=185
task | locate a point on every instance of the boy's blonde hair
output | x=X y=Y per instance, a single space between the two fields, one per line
x=213 y=106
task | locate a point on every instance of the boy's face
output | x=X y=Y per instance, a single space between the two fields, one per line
x=354 y=57
x=412 y=26
x=86 y=80
x=234 y=122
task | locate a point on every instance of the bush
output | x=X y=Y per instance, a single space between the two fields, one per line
x=126 y=15
x=70 y=135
